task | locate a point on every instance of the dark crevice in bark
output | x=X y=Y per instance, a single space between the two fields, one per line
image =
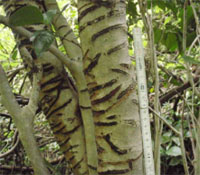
x=89 y=23
x=119 y=71
x=126 y=91
x=60 y=107
x=117 y=48
x=107 y=96
x=105 y=123
x=108 y=84
x=105 y=31
x=93 y=63
x=86 y=11
x=110 y=172
x=114 y=147
x=71 y=131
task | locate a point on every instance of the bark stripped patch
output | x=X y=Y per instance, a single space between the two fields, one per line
x=71 y=131
x=107 y=96
x=89 y=23
x=77 y=165
x=98 y=87
x=60 y=107
x=124 y=65
x=47 y=68
x=119 y=71
x=110 y=172
x=66 y=34
x=111 y=117
x=62 y=144
x=126 y=91
x=55 y=125
x=105 y=123
x=93 y=63
x=86 y=11
x=105 y=31
x=116 y=48
x=70 y=148
x=56 y=79
x=114 y=147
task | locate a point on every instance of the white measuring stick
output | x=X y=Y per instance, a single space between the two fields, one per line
x=143 y=102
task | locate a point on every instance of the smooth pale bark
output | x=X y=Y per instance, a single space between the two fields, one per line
x=109 y=74
x=23 y=119
x=57 y=98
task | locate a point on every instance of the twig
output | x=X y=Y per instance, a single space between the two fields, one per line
x=11 y=150
x=166 y=122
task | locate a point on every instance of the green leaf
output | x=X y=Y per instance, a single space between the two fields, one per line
x=131 y=9
x=48 y=16
x=175 y=161
x=27 y=15
x=158 y=34
x=174 y=151
x=191 y=60
x=166 y=137
x=171 y=42
x=42 y=41
x=14 y=55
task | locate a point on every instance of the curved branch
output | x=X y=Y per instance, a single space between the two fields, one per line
x=11 y=150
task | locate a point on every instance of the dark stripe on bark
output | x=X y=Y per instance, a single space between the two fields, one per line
x=30 y=29
x=53 y=126
x=86 y=11
x=105 y=123
x=119 y=71
x=104 y=31
x=93 y=63
x=110 y=172
x=53 y=88
x=127 y=66
x=60 y=107
x=46 y=65
x=59 y=130
x=66 y=34
x=89 y=23
x=77 y=165
x=111 y=117
x=106 y=97
x=126 y=91
x=71 y=131
x=52 y=80
x=84 y=90
x=48 y=68
x=62 y=26
x=25 y=42
x=116 y=48
x=70 y=148
x=85 y=107
x=64 y=142
x=92 y=167
x=113 y=147
x=33 y=54
x=97 y=113
x=108 y=84
x=70 y=159
x=52 y=104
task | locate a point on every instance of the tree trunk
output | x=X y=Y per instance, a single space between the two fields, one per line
x=110 y=80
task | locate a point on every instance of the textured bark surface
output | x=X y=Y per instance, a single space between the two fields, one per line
x=58 y=101
x=109 y=73
x=110 y=80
